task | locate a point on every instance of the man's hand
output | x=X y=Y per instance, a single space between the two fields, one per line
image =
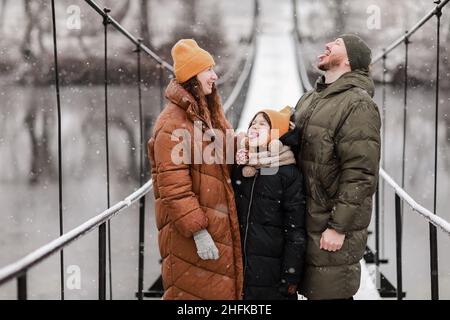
x=331 y=240
x=292 y=288
x=287 y=289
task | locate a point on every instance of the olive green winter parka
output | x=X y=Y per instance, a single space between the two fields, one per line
x=339 y=157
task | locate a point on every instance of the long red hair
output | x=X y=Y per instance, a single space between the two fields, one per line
x=210 y=106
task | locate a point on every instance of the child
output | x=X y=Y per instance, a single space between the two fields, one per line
x=271 y=208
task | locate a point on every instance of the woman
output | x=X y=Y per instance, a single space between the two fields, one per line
x=196 y=216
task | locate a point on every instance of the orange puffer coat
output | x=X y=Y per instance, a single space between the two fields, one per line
x=191 y=197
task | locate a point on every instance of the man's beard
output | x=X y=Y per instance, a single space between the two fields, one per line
x=333 y=61
x=324 y=66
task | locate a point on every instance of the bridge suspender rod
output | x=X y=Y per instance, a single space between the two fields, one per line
x=58 y=106
x=382 y=230
x=161 y=88
x=141 y=178
x=405 y=104
x=433 y=230
x=105 y=228
x=398 y=245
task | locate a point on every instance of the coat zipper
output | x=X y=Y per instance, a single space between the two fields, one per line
x=246 y=226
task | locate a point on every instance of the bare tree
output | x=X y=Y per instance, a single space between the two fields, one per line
x=41 y=164
x=36 y=29
x=133 y=150
x=3 y=5
x=30 y=25
x=37 y=61
x=191 y=12
x=120 y=14
x=338 y=7
x=144 y=21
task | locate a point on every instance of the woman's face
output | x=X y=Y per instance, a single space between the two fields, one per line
x=259 y=130
x=207 y=78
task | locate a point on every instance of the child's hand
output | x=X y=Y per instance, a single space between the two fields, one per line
x=242 y=156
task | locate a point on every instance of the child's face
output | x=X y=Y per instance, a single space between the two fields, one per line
x=259 y=130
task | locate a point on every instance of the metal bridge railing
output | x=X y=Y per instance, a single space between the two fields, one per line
x=18 y=270
x=425 y=213
x=400 y=194
x=21 y=266
x=434 y=274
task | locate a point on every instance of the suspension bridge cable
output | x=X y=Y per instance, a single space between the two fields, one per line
x=411 y=31
x=58 y=106
x=127 y=34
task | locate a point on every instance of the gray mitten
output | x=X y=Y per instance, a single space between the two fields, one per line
x=206 y=248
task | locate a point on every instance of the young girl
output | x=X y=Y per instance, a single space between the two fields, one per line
x=270 y=202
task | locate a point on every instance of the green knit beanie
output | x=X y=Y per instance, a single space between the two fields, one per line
x=359 y=54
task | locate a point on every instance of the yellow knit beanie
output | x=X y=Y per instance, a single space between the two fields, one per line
x=278 y=120
x=189 y=59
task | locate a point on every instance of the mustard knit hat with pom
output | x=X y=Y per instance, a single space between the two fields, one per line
x=278 y=120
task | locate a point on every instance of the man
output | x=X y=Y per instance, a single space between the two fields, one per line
x=339 y=155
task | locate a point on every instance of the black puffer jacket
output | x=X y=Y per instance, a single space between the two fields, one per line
x=271 y=210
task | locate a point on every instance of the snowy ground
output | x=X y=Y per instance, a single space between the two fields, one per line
x=367 y=289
